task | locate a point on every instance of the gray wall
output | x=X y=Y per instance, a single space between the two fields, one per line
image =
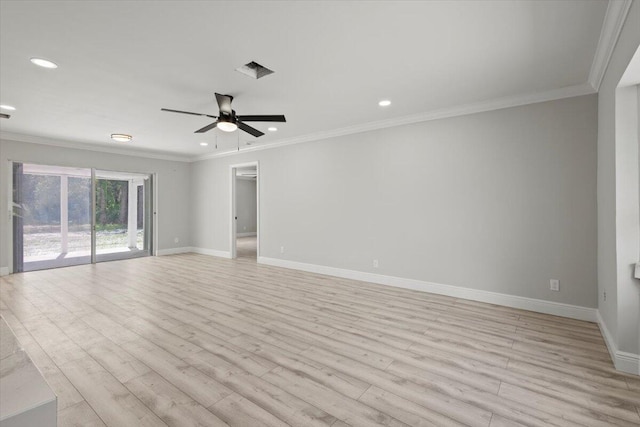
x=172 y=179
x=500 y=201
x=608 y=232
x=246 y=206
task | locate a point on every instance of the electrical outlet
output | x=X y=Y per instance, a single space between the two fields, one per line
x=375 y=263
x=604 y=295
x=176 y=240
x=554 y=285
x=281 y=249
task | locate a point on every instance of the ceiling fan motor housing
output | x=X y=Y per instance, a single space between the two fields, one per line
x=226 y=117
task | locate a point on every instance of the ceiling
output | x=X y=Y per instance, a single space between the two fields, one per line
x=120 y=62
x=631 y=75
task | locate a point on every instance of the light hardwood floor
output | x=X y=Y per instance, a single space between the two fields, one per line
x=196 y=340
x=246 y=247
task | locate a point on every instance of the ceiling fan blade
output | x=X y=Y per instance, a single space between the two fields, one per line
x=207 y=128
x=253 y=131
x=188 y=112
x=264 y=118
x=224 y=102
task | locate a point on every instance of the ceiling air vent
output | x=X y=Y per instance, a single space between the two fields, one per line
x=254 y=70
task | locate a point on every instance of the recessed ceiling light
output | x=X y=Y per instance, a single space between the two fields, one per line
x=121 y=137
x=7 y=107
x=204 y=144
x=384 y=103
x=43 y=63
x=273 y=129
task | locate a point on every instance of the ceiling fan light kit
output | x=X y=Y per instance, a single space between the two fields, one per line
x=227 y=125
x=228 y=121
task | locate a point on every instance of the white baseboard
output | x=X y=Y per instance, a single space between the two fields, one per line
x=173 y=251
x=212 y=252
x=622 y=360
x=187 y=249
x=4 y=271
x=537 y=305
x=250 y=234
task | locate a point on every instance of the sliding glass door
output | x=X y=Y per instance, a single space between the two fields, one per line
x=51 y=216
x=122 y=229
x=56 y=224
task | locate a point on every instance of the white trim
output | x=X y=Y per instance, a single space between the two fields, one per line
x=250 y=234
x=537 y=305
x=462 y=110
x=174 y=251
x=212 y=252
x=627 y=362
x=154 y=213
x=608 y=339
x=32 y=139
x=622 y=360
x=191 y=249
x=4 y=271
x=9 y=237
x=614 y=18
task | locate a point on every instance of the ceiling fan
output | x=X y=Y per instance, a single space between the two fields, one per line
x=228 y=121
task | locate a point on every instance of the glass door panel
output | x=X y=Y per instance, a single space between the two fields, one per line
x=120 y=208
x=51 y=216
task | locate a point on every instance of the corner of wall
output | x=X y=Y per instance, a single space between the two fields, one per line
x=212 y=252
x=622 y=360
x=173 y=251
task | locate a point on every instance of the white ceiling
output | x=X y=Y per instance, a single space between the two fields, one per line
x=631 y=75
x=120 y=62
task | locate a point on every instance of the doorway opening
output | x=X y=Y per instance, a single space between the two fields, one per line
x=245 y=218
x=64 y=216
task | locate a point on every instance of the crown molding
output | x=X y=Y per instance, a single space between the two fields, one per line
x=462 y=110
x=32 y=139
x=614 y=18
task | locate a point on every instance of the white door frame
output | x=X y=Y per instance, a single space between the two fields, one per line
x=9 y=240
x=232 y=211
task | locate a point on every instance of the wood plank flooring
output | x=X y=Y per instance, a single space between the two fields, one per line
x=193 y=340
